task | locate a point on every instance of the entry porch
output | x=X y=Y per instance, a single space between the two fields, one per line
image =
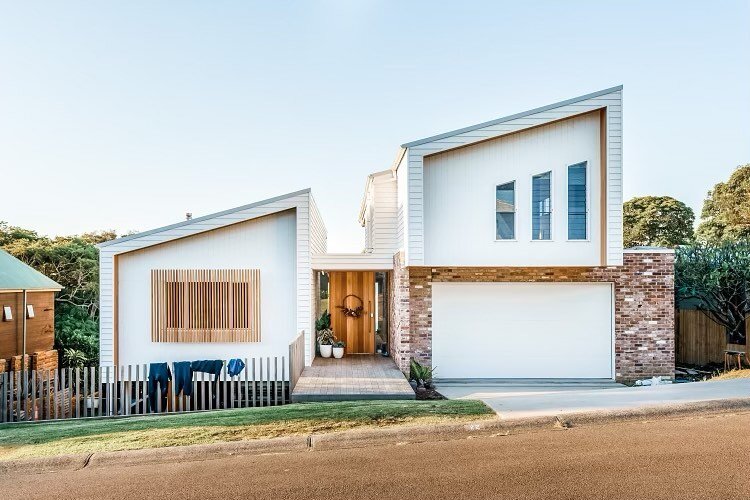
x=354 y=377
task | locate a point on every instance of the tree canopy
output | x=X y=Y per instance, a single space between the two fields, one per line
x=72 y=261
x=716 y=278
x=657 y=221
x=726 y=210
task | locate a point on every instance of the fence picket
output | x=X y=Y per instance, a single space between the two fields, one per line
x=3 y=403
x=109 y=391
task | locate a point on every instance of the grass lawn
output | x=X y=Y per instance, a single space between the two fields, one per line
x=79 y=436
x=732 y=374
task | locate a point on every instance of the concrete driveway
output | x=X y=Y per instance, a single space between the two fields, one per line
x=528 y=398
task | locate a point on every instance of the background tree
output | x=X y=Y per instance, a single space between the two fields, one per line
x=717 y=278
x=657 y=221
x=72 y=261
x=726 y=211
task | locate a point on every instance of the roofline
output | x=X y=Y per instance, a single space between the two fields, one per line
x=31 y=289
x=201 y=219
x=363 y=204
x=511 y=117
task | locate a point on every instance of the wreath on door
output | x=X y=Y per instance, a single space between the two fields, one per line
x=352 y=312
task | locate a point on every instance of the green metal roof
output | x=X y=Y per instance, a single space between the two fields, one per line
x=15 y=275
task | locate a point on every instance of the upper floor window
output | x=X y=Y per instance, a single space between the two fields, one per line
x=541 y=206
x=505 y=211
x=577 y=202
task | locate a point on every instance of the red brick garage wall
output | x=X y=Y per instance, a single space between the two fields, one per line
x=644 y=307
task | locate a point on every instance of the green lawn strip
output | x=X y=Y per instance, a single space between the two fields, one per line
x=358 y=412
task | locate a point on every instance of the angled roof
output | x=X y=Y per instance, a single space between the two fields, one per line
x=198 y=221
x=15 y=275
x=510 y=117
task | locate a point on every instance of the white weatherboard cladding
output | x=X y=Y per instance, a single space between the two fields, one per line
x=610 y=100
x=459 y=199
x=306 y=237
x=522 y=330
x=384 y=214
x=266 y=243
x=402 y=197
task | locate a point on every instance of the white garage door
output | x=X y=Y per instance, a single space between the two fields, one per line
x=522 y=330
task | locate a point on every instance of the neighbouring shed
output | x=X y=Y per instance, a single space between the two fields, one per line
x=27 y=299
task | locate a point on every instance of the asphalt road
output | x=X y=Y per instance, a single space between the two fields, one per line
x=684 y=458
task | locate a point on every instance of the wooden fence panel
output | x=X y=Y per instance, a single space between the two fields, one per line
x=699 y=340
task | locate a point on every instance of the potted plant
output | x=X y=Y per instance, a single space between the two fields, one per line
x=325 y=342
x=338 y=349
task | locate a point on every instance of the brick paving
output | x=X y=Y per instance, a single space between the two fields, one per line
x=354 y=377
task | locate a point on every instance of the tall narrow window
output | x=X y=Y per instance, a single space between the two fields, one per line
x=541 y=206
x=505 y=211
x=577 y=203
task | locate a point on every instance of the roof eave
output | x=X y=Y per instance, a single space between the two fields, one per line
x=200 y=219
x=516 y=116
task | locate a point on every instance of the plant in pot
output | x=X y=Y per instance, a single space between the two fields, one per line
x=421 y=376
x=325 y=342
x=338 y=349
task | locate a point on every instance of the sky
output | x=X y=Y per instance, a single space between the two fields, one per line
x=127 y=115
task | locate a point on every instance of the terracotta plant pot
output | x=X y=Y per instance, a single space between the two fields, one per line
x=325 y=350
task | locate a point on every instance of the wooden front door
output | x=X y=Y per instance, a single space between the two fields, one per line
x=352 y=289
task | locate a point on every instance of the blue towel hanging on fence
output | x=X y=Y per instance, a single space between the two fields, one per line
x=212 y=366
x=235 y=366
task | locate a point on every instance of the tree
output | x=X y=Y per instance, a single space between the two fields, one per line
x=657 y=221
x=72 y=261
x=717 y=278
x=726 y=211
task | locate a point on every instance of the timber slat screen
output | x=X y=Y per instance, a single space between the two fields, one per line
x=110 y=391
x=205 y=305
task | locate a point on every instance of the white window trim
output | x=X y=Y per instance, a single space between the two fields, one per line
x=515 y=209
x=588 y=203
x=551 y=205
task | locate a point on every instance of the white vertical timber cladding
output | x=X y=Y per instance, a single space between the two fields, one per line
x=610 y=100
x=299 y=200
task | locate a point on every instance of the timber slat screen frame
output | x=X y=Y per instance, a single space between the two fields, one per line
x=205 y=305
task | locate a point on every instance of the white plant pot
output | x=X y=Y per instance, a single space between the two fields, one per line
x=338 y=352
x=325 y=350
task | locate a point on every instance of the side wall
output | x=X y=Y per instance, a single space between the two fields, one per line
x=301 y=201
x=266 y=243
x=644 y=307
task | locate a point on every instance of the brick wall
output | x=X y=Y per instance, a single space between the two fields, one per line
x=399 y=314
x=644 y=307
x=41 y=360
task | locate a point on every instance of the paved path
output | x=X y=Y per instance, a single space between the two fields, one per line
x=526 y=399
x=684 y=458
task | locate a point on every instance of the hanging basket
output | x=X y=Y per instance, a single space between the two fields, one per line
x=352 y=312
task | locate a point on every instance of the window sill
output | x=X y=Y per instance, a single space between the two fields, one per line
x=503 y=241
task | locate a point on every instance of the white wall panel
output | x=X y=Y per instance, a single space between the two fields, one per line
x=459 y=200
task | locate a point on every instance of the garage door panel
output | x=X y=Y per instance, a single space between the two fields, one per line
x=522 y=330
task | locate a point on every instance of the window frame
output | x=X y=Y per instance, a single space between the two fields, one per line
x=588 y=201
x=551 y=173
x=515 y=209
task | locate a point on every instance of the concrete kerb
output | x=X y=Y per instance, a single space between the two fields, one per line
x=360 y=438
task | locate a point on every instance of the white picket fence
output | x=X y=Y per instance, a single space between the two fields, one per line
x=108 y=391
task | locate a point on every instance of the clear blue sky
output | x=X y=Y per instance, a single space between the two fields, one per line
x=127 y=115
